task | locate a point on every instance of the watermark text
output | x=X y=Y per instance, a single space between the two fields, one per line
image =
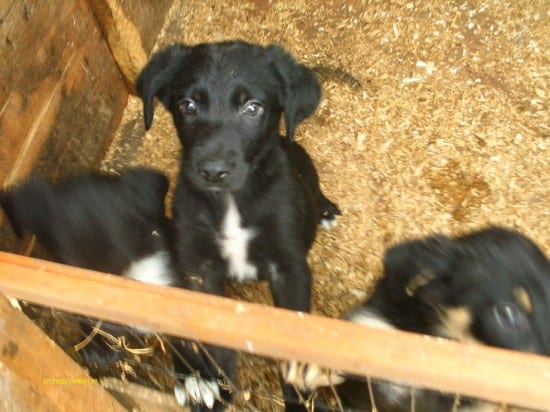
x=69 y=381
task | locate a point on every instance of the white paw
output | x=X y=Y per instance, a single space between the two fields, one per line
x=328 y=224
x=196 y=390
x=14 y=303
x=308 y=377
x=181 y=397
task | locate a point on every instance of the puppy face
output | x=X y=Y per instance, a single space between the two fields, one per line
x=492 y=286
x=226 y=100
x=226 y=113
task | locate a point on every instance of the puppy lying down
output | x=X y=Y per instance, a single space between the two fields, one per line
x=491 y=286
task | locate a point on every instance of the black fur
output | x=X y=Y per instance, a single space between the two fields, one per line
x=227 y=100
x=93 y=220
x=496 y=276
x=96 y=221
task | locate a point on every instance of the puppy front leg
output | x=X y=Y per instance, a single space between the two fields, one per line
x=205 y=374
x=290 y=283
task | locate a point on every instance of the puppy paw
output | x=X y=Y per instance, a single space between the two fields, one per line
x=308 y=377
x=329 y=211
x=328 y=223
x=14 y=303
x=195 y=390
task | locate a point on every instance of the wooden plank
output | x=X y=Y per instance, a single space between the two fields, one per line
x=61 y=94
x=131 y=27
x=36 y=375
x=138 y=397
x=493 y=374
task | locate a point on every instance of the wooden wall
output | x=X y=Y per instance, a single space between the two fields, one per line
x=131 y=28
x=65 y=80
x=61 y=95
x=37 y=375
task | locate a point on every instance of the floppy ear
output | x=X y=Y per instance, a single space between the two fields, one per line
x=25 y=205
x=418 y=268
x=156 y=76
x=149 y=188
x=301 y=91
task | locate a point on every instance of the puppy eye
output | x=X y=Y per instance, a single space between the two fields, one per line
x=253 y=108
x=188 y=106
x=510 y=317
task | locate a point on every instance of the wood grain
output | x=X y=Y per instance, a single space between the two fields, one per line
x=61 y=93
x=131 y=28
x=492 y=374
x=36 y=375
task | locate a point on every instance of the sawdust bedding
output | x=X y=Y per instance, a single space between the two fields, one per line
x=434 y=117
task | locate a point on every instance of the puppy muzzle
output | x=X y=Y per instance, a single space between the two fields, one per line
x=219 y=173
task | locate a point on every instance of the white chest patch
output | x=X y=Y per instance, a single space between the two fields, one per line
x=234 y=242
x=154 y=269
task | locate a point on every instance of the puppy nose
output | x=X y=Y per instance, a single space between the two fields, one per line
x=214 y=170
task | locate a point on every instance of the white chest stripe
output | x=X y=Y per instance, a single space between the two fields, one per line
x=234 y=244
x=152 y=269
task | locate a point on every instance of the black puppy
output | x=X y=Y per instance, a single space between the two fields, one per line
x=98 y=221
x=248 y=201
x=104 y=222
x=491 y=286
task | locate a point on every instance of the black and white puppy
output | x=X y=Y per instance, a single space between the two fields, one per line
x=114 y=224
x=105 y=222
x=491 y=286
x=248 y=200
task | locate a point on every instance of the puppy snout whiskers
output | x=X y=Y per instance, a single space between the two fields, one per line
x=215 y=170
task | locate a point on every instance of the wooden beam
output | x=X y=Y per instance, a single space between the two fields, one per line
x=137 y=397
x=131 y=28
x=62 y=95
x=36 y=375
x=421 y=361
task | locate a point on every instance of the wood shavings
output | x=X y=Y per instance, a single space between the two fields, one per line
x=434 y=117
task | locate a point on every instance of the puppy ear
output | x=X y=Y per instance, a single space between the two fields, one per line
x=156 y=76
x=416 y=268
x=301 y=91
x=149 y=188
x=25 y=205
